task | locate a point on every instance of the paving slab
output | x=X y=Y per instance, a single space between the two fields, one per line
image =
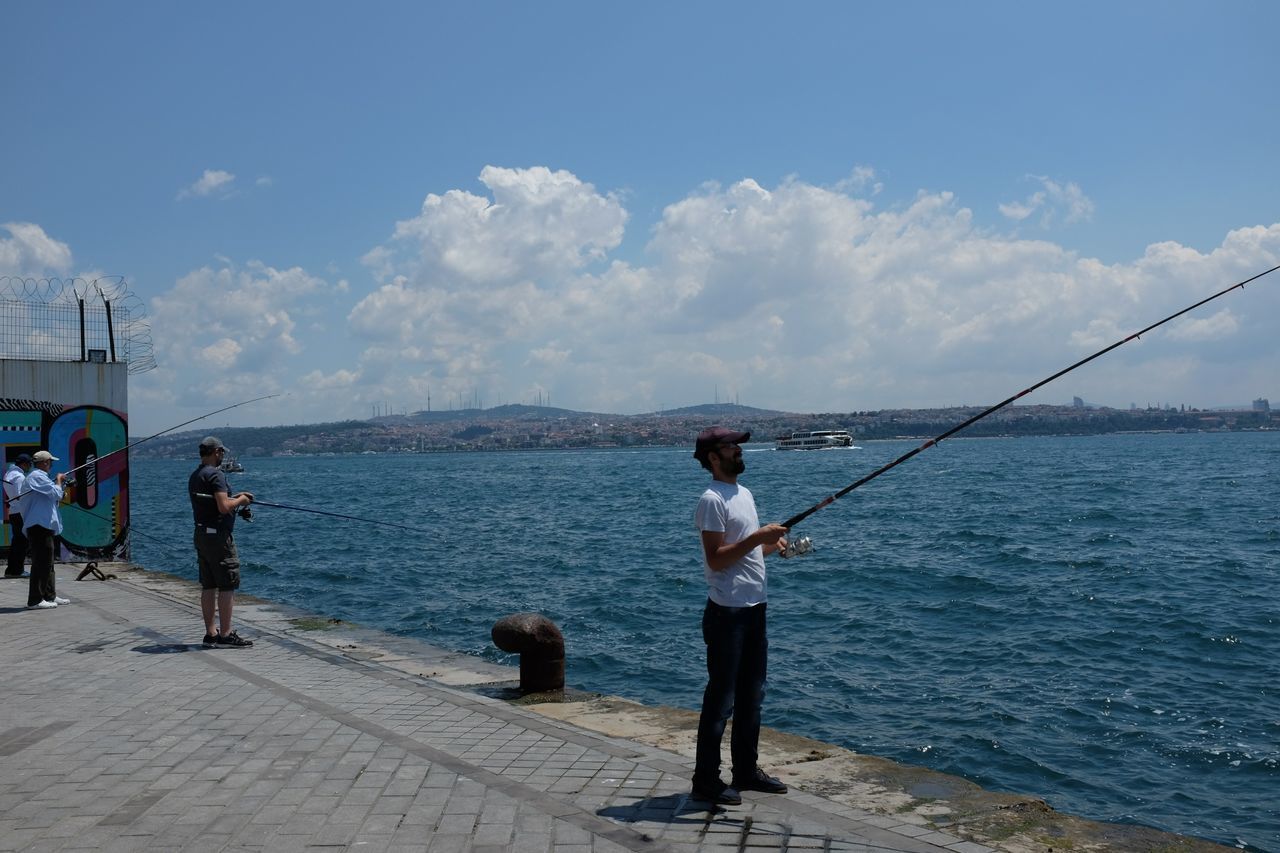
x=118 y=731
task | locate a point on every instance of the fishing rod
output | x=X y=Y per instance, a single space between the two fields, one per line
x=91 y=564
x=69 y=480
x=830 y=499
x=244 y=513
x=169 y=430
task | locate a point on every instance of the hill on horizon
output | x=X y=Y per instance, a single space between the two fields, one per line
x=509 y=411
x=517 y=411
x=719 y=410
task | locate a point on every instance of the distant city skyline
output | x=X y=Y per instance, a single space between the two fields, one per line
x=827 y=208
x=1257 y=404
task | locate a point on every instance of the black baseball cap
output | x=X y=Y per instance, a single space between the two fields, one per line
x=210 y=444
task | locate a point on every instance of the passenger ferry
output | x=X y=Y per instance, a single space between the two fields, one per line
x=821 y=439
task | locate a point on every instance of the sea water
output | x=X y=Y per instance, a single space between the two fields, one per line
x=1089 y=620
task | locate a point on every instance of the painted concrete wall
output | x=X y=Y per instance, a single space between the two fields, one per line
x=78 y=411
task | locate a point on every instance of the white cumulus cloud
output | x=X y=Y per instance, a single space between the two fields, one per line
x=1214 y=327
x=29 y=252
x=794 y=296
x=231 y=332
x=212 y=182
x=538 y=224
x=1053 y=200
x=790 y=296
x=474 y=280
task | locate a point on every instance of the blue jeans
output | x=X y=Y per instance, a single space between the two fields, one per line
x=737 y=658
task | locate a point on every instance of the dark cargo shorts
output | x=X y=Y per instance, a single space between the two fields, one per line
x=219 y=562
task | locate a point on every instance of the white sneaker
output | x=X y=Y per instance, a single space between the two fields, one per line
x=61 y=600
x=44 y=605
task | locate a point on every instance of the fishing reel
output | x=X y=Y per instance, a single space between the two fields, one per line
x=797 y=547
x=245 y=513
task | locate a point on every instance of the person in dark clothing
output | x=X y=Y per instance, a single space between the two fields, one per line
x=214 y=512
x=14 y=485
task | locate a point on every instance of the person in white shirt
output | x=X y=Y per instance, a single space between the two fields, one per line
x=14 y=480
x=734 y=545
x=42 y=524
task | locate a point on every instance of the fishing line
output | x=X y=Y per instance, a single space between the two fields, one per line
x=827 y=501
x=69 y=481
x=130 y=529
x=257 y=502
x=97 y=459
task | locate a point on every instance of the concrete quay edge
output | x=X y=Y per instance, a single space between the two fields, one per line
x=840 y=798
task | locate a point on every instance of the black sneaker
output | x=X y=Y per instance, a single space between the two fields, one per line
x=210 y=640
x=758 y=780
x=234 y=640
x=719 y=793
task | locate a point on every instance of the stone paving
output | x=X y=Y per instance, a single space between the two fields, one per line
x=119 y=732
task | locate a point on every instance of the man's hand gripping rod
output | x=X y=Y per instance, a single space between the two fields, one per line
x=796 y=547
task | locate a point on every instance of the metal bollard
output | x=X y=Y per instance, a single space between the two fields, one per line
x=541 y=648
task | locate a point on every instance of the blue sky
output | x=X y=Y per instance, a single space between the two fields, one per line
x=815 y=207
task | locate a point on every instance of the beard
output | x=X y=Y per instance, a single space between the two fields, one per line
x=733 y=465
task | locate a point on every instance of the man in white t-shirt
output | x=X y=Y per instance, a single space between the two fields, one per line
x=734 y=546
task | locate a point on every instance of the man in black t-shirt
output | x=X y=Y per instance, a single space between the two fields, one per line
x=215 y=516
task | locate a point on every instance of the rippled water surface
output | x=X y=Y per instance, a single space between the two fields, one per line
x=1088 y=620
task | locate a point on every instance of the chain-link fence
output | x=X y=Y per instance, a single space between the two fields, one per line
x=74 y=320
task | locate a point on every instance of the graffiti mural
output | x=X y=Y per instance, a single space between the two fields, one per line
x=95 y=510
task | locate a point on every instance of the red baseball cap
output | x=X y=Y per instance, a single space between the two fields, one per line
x=712 y=437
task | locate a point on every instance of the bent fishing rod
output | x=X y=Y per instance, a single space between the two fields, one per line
x=830 y=499
x=68 y=479
x=248 y=516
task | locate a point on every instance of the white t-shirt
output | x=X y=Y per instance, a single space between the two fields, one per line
x=14 y=480
x=731 y=510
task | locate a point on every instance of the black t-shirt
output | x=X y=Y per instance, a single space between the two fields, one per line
x=209 y=480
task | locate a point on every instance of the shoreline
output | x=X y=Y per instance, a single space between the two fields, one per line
x=683 y=445
x=1009 y=822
